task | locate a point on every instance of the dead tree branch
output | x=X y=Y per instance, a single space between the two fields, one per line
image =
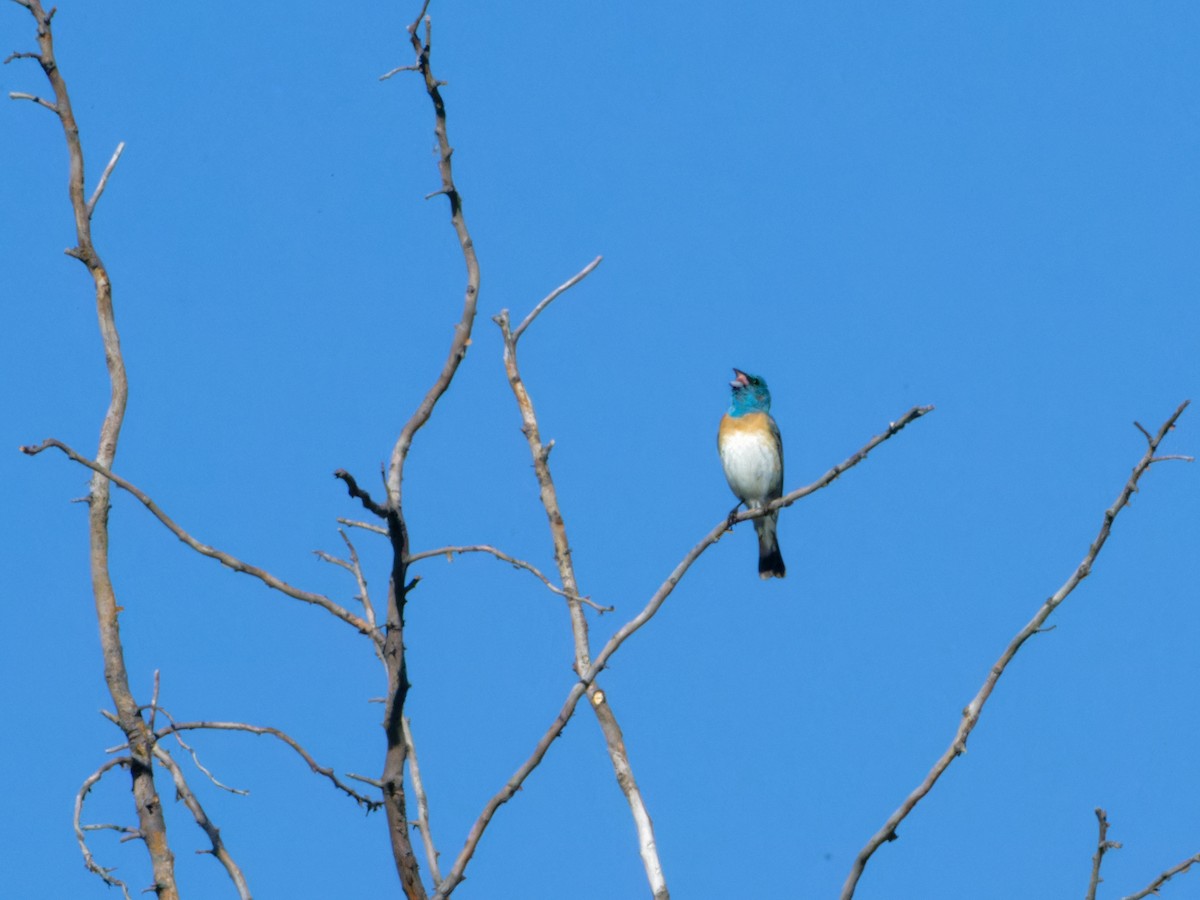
x=324 y=771
x=214 y=834
x=449 y=552
x=1103 y=845
x=614 y=738
x=510 y=788
x=232 y=562
x=146 y=800
x=414 y=770
x=1152 y=888
x=970 y=715
x=393 y=510
x=88 y=860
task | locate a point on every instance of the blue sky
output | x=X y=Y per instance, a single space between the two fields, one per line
x=874 y=206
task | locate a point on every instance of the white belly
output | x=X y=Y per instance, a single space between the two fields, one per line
x=752 y=467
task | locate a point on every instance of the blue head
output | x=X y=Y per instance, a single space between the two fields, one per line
x=750 y=394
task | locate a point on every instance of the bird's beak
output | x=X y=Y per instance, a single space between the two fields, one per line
x=741 y=379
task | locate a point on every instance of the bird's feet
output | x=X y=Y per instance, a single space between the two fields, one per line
x=731 y=520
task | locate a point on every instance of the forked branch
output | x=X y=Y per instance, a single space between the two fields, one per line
x=971 y=714
x=510 y=788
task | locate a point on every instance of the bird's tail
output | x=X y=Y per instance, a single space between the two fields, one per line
x=770 y=561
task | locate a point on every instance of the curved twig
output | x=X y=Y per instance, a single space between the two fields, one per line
x=462 y=330
x=449 y=552
x=225 y=559
x=970 y=715
x=318 y=769
x=88 y=860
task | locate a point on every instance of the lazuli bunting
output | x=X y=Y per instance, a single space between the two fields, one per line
x=752 y=455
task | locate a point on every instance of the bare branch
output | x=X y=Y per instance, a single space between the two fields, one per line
x=578 y=689
x=614 y=738
x=359 y=494
x=364 y=595
x=1152 y=888
x=462 y=330
x=225 y=559
x=970 y=715
x=665 y=589
x=366 y=526
x=1103 y=845
x=108 y=170
x=214 y=834
x=88 y=860
x=449 y=552
x=506 y=793
x=414 y=771
x=328 y=773
x=553 y=295
x=147 y=803
x=18 y=95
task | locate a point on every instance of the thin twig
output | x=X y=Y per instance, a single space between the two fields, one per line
x=366 y=526
x=19 y=95
x=449 y=552
x=88 y=860
x=1152 y=888
x=108 y=170
x=656 y=601
x=1103 y=845
x=414 y=771
x=364 y=595
x=553 y=295
x=970 y=715
x=370 y=804
x=214 y=834
x=225 y=559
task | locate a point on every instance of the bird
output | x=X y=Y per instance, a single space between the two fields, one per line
x=752 y=456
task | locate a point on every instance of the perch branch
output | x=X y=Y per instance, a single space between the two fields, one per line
x=970 y=715
x=656 y=601
x=577 y=690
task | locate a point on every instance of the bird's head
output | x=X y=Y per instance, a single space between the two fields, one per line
x=750 y=394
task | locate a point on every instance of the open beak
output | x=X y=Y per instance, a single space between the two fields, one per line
x=741 y=379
